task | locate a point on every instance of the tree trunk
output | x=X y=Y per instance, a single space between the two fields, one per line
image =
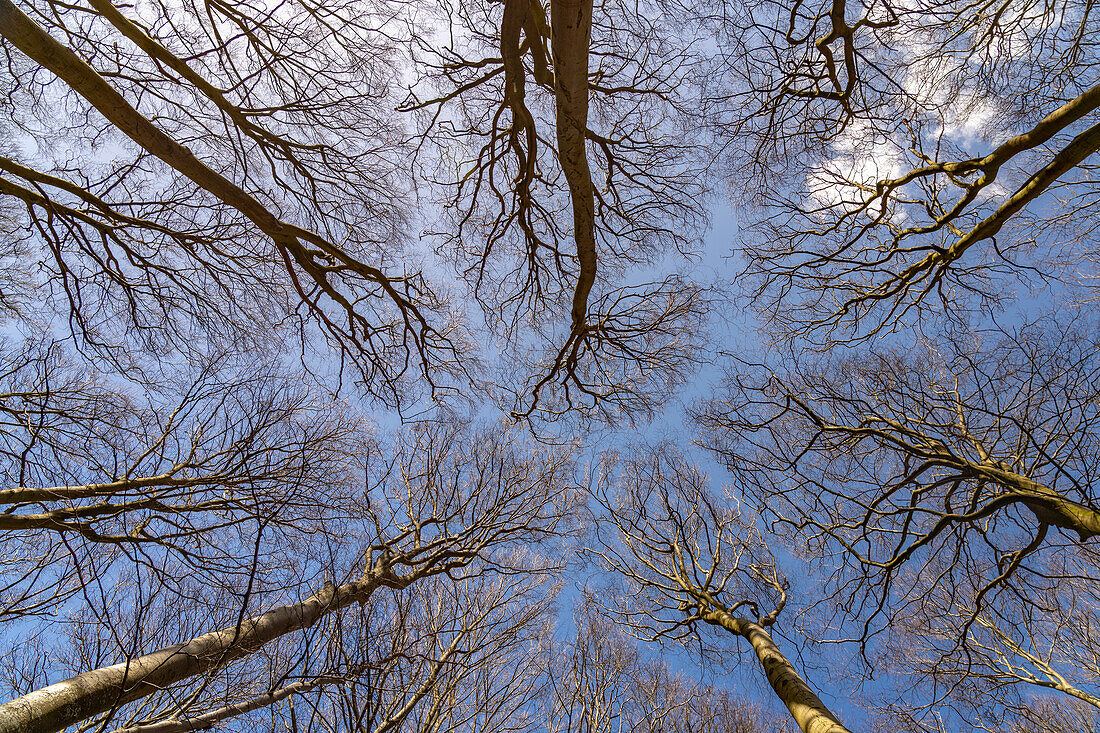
x=96 y=692
x=570 y=34
x=804 y=705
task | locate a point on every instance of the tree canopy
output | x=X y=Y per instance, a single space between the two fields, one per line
x=362 y=363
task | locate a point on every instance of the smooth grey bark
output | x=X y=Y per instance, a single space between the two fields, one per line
x=805 y=706
x=78 y=698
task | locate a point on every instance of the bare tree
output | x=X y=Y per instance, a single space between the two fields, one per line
x=183 y=178
x=906 y=157
x=591 y=678
x=1015 y=648
x=494 y=686
x=690 y=559
x=201 y=451
x=601 y=681
x=216 y=467
x=442 y=507
x=1039 y=715
x=246 y=178
x=1045 y=715
x=949 y=496
x=413 y=659
x=556 y=135
x=256 y=168
x=904 y=164
x=232 y=177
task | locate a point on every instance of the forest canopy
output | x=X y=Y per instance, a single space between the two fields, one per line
x=383 y=365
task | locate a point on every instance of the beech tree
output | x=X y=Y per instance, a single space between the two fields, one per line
x=920 y=220
x=601 y=681
x=255 y=188
x=692 y=560
x=950 y=493
x=211 y=474
x=908 y=161
x=240 y=180
x=188 y=189
x=263 y=171
x=208 y=449
x=374 y=668
x=441 y=507
x=556 y=136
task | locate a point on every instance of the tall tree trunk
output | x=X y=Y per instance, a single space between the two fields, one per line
x=92 y=693
x=803 y=703
x=570 y=35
